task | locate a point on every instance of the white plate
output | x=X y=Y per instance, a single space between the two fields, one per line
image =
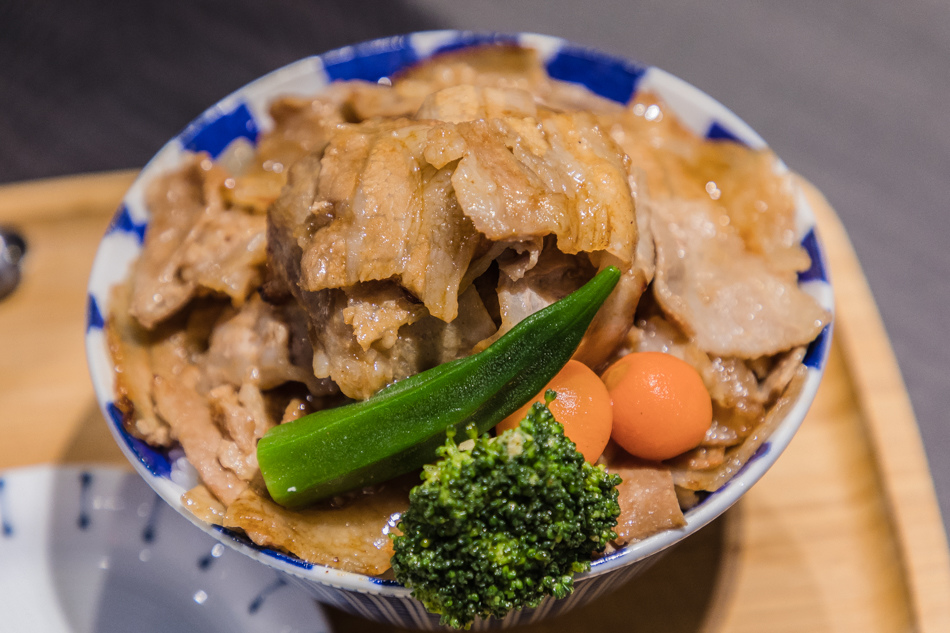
x=95 y=550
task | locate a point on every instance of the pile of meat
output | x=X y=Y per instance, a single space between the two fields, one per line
x=379 y=230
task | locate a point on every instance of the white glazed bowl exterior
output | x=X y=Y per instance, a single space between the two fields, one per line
x=244 y=114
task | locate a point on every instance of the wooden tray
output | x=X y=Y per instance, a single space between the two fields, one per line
x=843 y=534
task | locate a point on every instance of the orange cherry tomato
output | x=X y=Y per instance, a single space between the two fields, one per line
x=582 y=406
x=661 y=406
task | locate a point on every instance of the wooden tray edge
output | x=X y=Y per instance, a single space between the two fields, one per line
x=886 y=408
x=891 y=427
x=55 y=198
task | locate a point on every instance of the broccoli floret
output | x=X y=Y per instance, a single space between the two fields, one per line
x=500 y=526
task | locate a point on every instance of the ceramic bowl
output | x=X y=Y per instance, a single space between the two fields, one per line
x=244 y=114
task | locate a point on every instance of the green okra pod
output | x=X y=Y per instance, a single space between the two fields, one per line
x=398 y=429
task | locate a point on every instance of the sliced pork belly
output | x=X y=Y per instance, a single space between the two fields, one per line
x=179 y=402
x=524 y=290
x=242 y=417
x=377 y=310
x=616 y=316
x=301 y=126
x=256 y=345
x=353 y=537
x=648 y=502
x=420 y=344
x=129 y=346
x=503 y=198
x=177 y=202
x=531 y=281
x=468 y=102
x=373 y=100
x=411 y=93
x=315 y=211
x=687 y=475
x=519 y=177
x=444 y=243
x=729 y=300
x=225 y=252
x=413 y=202
x=195 y=245
x=498 y=66
x=391 y=215
x=289 y=221
x=594 y=174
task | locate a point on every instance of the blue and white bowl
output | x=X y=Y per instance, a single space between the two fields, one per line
x=245 y=114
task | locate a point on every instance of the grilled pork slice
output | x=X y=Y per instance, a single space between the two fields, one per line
x=352 y=535
x=380 y=235
x=420 y=343
x=730 y=300
x=187 y=411
x=647 y=499
x=194 y=245
x=260 y=343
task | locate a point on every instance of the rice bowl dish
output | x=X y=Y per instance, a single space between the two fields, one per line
x=278 y=223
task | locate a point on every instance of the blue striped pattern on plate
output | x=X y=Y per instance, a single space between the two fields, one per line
x=244 y=115
x=96 y=545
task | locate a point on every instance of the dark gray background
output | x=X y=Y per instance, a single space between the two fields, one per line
x=853 y=94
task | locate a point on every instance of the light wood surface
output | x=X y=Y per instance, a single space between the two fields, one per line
x=842 y=534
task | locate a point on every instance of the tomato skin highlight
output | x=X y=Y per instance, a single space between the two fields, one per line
x=582 y=406
x=661 y=407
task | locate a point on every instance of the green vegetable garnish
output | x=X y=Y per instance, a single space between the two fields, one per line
x=399 y=429
x=503 y=525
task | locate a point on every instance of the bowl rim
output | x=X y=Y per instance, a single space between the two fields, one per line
x=309 y=75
